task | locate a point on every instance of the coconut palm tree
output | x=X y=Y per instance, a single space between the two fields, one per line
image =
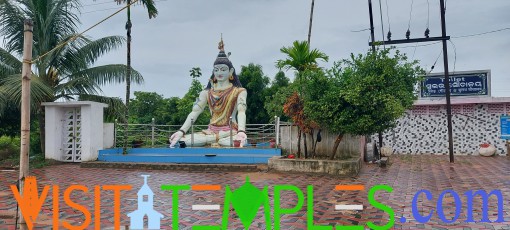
x=301 y=59
x=62 y=59
x=153 y=12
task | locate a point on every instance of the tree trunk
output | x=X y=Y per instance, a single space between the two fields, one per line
x=42 y=130
x=306 y=147
x=128 y=78
x=380 y=140
x=335 y=147
x=313 y=145
x=299 y=143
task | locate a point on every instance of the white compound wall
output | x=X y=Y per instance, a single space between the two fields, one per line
x=423 y=130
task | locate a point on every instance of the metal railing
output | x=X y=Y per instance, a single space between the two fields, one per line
x=157 y=136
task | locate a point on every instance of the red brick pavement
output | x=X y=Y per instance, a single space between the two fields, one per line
x=406 y=174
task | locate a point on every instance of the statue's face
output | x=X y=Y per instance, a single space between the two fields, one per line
x=222 y=72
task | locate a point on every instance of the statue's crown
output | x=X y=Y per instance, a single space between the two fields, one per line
x=221 y=47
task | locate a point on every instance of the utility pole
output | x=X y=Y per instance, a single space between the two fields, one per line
x=310 y=26
x=443 y=38
x=371 y=24
x=379 y=135
x=447 y=85
x=26 y=73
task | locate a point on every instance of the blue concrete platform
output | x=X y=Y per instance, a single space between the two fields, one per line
x=191 y=155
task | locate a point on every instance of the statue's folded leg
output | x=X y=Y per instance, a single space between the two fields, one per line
x=225 y=138
x=199 y=139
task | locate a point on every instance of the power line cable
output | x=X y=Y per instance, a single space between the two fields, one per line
x=408 y=32
x=112 y=8
x=478 y=34
x=80 y=34
x=388 y=15
x=410 y=15
x=99 y=3
x=382 y=23
x=418 y=45
x=388 y=18
x=434 y=65
x=94 y=11
x=428 y=13
x=414 y=52
x=355 y=31
x=455 y=51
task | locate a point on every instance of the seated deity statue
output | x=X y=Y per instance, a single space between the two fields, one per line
x=226 y=99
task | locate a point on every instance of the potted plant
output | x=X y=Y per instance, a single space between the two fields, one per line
x=487 y=150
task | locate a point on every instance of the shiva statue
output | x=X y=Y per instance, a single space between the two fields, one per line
x=226 y=99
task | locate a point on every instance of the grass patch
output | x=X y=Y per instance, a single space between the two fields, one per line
x=35 y=161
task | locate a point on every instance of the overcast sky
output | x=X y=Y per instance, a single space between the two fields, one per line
x=185 y=34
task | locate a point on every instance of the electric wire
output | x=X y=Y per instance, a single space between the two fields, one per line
x=110 y=8
x=410 y=15
x=355 y=31
x=434 y=65
x=388 y=15
x=428 y=13
x=80 y=34
x=478 y=34
x=455 y=52
x=382 y=23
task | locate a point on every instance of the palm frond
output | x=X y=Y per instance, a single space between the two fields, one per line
x=10 y=87
x=115 y=108
x=8 y=63
x=77 y=86
x=12 y=21
x=300 y=57
x=108 y=74
x=149 y=4
x=95 y=49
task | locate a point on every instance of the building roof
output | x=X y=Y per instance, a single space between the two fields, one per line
x=462 y=100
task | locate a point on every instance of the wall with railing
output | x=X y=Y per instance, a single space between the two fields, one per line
x=157 y=136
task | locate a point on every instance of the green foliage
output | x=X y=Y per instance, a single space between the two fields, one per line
x=63 y=60
x=302 y=60
x=9 y=146
x=300 y=57
x=276 y=96
x=253 y=80
x=148 y=105
x=363 y=95
x=185 y=105
x=10 y=120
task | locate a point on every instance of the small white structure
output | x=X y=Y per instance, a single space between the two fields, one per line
x=74 y=130
x=145 y=208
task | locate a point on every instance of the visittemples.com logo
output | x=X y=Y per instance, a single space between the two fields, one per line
x=246 y=201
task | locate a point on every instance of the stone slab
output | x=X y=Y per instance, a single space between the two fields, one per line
x=331 y=167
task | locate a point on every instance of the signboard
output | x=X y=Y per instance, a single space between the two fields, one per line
x=461 y=84
x=505 y=127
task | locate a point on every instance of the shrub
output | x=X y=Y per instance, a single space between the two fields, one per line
x=9 y=146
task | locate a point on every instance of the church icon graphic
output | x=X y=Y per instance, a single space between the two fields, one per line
x=145 y=208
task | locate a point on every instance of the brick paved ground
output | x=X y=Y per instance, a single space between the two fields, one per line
x=406 y=174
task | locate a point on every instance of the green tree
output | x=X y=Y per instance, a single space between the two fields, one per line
x=185 y=104
x=148 y=105
x=362 y=95
x=301 y=59
x=276 y=96
x=61 y=71
x=253 y=80
x=152 y=12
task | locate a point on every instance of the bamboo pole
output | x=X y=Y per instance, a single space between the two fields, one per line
x=26 y=73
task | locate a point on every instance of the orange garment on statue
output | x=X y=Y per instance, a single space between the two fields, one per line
x=222 y=104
